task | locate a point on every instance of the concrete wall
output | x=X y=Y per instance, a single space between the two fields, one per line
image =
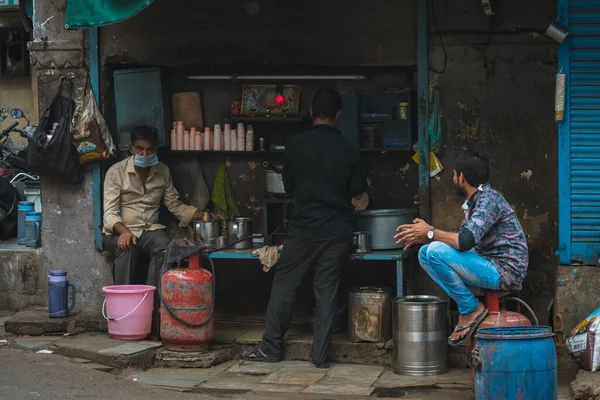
x=67 y=236
x=498 y=97
x=19 y=278
x=188 y=32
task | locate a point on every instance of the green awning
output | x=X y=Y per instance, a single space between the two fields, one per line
x=92 y=13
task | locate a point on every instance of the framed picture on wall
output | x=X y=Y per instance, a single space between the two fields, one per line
x=270 y=100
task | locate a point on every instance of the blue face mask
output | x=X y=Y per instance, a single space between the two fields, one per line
x=145 y=161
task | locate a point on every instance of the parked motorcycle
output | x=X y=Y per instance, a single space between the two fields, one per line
x=13 y=173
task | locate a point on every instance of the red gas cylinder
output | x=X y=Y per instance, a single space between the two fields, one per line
x=186 y=323
x=497 y=317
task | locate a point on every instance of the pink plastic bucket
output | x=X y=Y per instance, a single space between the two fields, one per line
x=128 y=310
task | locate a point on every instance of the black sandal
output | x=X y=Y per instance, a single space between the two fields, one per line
x=258 y=355
x=472 y=326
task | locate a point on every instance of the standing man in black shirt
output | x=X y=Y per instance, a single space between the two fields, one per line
x=322 y=172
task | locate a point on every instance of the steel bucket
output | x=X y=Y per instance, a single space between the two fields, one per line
x=420 y=335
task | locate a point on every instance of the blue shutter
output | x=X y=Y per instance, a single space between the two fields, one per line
x=579 y=135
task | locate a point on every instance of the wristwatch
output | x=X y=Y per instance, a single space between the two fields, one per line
x=430 y=234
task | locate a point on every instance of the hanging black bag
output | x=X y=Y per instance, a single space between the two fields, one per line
x=52 y=152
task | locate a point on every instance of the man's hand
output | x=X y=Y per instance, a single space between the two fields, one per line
x=411 y=234
x=125 y=240
x=197 y=215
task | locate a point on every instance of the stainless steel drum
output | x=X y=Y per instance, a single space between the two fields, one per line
x=420 y=335
x=369 y=314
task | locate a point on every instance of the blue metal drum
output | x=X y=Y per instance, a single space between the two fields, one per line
x=515 y=363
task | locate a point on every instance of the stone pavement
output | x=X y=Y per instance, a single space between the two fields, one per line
x=295 y=377
x=35 y=321
x=289 y=379
x=96 y=348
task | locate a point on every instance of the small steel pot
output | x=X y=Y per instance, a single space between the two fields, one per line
x=206 y=232
x=240 y=228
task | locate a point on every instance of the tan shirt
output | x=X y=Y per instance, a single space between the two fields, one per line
x=127 y=201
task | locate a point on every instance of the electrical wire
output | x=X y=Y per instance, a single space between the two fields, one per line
x=437 y=30
x=489 y=36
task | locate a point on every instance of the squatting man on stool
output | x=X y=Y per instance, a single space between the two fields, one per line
x=489 y=250
x=133 y=190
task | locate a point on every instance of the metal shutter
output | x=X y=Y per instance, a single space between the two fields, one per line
x=579 y=136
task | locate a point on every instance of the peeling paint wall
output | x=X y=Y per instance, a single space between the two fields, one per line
x=18 y=279
x=309 y=32
x=497 y=96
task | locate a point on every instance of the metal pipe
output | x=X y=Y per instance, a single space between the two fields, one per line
x=277 y=77
x=423 y=108
x=94 y=46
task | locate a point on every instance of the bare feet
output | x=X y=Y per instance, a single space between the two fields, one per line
x=464 y=320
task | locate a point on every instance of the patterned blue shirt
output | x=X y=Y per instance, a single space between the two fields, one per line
x=498 y=235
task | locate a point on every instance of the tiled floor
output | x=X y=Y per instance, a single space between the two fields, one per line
x=300 y=377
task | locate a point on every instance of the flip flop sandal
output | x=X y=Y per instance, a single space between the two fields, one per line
x=472 y=326
x=257 y=355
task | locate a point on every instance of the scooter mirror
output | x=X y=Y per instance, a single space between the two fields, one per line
x=16 y=113
x=3 y=114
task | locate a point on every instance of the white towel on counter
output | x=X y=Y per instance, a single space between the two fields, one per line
x=268 y=256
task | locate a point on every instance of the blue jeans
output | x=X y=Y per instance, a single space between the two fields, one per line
x=454 y=270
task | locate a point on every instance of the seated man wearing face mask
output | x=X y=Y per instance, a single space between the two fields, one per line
x=133 y=190
x=489 y=251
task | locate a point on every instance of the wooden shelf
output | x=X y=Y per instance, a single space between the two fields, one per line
x=381 y=121
x=383 y=149
x=245 y=118
x=267 y=153
x=220 y=153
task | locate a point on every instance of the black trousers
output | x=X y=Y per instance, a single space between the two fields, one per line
x=298 y=257
x=128 y=262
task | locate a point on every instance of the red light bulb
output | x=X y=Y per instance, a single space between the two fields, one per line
x=279 y=98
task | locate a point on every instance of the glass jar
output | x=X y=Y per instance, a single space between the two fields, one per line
x=403 y=111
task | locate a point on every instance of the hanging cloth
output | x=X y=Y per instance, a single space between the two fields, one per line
x=91 y=13
x=222 y=195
